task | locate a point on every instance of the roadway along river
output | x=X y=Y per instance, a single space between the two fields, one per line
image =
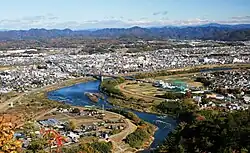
x=74 y=95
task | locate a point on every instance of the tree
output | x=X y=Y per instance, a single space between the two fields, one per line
x=76 y=110
x=102 y=147
x=225 y=132
x=71 y=125
x=53 y=137
x=7 y=141
x=204 y=101
x=188 y=94
x=243 y=150
x=37 y=145
x=29 y=128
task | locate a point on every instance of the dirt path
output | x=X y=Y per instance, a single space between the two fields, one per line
x=117 y=139
x=122 y=135
x=119 y=145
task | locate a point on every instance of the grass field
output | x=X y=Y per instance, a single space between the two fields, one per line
x=142 y=88
x=143 y=94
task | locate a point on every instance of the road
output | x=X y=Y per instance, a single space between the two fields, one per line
x=122 y=135
x=117 y=139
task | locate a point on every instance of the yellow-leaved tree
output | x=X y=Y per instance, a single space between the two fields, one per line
x=7 y=142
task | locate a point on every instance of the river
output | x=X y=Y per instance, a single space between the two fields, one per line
x=74 y=95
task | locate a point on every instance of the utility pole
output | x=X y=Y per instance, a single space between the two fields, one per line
x=103 y=108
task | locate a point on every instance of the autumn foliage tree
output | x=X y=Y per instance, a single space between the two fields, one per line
x=8 y=144
x=53 y=138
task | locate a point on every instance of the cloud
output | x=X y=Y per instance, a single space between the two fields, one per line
x=160 y=13
x=29 y=21
x=241 y=17
x=51 y=22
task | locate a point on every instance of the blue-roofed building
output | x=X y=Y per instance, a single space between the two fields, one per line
x=49 y=122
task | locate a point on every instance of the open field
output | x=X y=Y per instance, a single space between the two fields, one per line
x=139 y=97
x=142 y=88
x=139 y=90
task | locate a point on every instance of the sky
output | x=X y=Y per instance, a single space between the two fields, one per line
x=93 y=14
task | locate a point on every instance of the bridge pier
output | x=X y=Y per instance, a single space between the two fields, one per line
x=101 y=78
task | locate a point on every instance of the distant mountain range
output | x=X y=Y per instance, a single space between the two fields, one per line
x=211 y=31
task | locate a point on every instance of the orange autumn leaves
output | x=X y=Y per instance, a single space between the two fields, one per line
x=7 y=142
x=53 y=137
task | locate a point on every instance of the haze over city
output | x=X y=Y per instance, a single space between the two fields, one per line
x=92 y=14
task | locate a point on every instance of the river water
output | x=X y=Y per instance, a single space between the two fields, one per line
x=74 y=95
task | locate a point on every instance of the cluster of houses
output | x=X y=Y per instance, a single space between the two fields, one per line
x=37 y=69
x=235 y=79
x=23 y=79
x=227 y=101
x=100 y=129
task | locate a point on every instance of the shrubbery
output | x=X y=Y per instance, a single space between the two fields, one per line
x=95 y=147
x=137 y=138
x=130 y=115
x=108 y=86
x=206 y=82
x=171 y=95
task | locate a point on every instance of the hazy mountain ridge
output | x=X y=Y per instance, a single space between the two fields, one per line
x=211 y=31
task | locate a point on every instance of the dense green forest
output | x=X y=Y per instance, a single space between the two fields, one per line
x=203 y=131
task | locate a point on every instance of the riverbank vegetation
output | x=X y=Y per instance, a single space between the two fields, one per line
x=171 y=95
x=141 y=136
x=109 y=86
x=95 y=147
x=136 y=104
